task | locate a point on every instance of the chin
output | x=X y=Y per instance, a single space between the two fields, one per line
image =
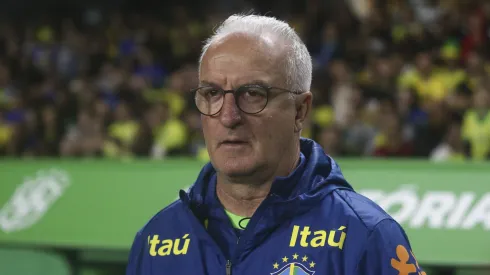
x=235 y=166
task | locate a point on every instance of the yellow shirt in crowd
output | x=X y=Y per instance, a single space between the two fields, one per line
x=428 y=89
x=476 y=131
x=5 y=134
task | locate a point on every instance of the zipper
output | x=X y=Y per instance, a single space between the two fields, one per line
x=228 y=267
x=258 y=216
x=198 y=227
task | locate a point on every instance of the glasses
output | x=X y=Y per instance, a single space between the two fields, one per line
x=250 y=99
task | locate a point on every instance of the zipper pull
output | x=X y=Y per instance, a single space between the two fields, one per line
x=228 y=267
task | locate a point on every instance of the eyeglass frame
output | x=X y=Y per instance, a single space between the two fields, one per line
x=233 y=91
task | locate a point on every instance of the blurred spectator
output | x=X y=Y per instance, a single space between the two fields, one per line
x=121 y=132
x=149 y=69
x=378 y=78
x=476 y=126
x=331 y=140
x=358 y=134
x=422 y=78
x=51 y=131
x=27 y=139
x=476 y=35
x=452 y=148
x=390 y=141
x=477 y=70
x=6 y=133
x=329 y=45
x=343 y=92
x=408 y=104
x=451 y=74
x=144 y=139
x=197 y=146
x=171 y=134
x=85 y=138
x=431 y=133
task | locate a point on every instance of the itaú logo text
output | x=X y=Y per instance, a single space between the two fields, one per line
x=32 y=199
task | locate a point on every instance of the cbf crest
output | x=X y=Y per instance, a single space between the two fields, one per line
x=294 y=265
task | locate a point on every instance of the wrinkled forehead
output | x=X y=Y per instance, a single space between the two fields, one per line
x=238 y=59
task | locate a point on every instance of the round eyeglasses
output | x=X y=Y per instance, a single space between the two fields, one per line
x=250 y=99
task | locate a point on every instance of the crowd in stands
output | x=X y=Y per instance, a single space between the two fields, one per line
x=405 y=78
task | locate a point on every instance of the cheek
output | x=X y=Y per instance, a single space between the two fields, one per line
x=277 y=128
x=206 y=127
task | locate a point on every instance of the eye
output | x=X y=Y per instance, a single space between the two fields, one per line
x=255 y=92
x=209 y=92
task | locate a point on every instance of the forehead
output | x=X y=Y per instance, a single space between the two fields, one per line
x=239 y=59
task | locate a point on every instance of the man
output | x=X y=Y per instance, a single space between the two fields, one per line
x=269 y=202
x=476 y=127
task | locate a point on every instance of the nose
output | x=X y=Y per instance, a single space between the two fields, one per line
x=230 y=115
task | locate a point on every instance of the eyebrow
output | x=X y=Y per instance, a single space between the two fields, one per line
x=252 y=82
x=258 y=82
x=208 y=83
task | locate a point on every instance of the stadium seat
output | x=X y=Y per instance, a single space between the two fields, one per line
x=32 y=262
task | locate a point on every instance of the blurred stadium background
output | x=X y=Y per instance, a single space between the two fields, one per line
x=98 y=130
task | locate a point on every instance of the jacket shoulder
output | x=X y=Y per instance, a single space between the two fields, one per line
x=162 y=223
x=361 y=208
x=169 y=215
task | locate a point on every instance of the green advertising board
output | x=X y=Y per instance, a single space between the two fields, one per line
x=444 y=208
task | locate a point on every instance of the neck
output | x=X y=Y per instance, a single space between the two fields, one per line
x=243 y=196
x=242 y=199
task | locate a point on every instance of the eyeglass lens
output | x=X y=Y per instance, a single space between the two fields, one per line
x=250 y=99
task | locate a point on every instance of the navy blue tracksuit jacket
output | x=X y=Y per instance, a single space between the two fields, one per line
x=313 y=222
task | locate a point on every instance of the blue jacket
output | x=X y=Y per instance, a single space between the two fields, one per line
x=313 y=222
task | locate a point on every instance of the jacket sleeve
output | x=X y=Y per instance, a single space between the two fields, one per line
x=135 y=256
x=388 y=252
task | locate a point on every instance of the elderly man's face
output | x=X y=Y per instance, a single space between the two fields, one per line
x=241 y=144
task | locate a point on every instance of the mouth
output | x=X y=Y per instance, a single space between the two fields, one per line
x=232 y=143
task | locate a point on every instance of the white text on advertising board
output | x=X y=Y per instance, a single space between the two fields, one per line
x=435 y=209
x=32 y=199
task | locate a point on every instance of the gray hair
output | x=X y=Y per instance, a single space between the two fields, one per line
x=298 y=59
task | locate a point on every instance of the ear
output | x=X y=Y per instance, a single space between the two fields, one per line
x=303 y=107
